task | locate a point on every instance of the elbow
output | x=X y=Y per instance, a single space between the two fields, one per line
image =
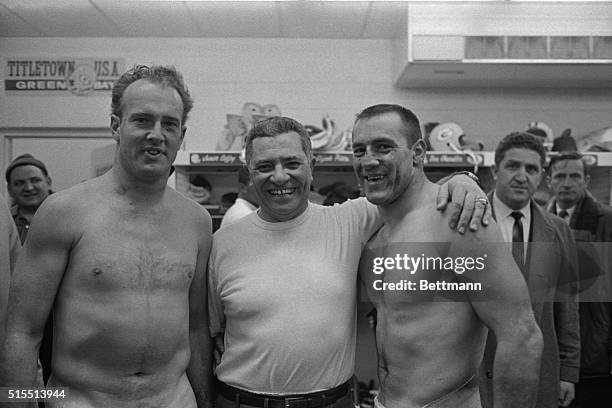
x=524 y=340
x=534 y=341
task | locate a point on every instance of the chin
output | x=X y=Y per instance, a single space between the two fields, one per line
x=377 y=200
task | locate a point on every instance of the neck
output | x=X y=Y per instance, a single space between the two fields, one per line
x=148 y=191
x=564 y=205
x=419 y=193
x=28 y=212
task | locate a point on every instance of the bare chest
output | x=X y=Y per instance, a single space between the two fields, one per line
x=133 y=255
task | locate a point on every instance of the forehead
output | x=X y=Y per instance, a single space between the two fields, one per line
x=149 y=97
x=568 y=166
x=522 y=155
x=385 y=126
x=277 y=147
x=26 y=171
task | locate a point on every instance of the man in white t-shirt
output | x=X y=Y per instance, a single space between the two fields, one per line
x=282 y=280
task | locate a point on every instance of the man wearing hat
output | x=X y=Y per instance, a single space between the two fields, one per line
x=29 y=184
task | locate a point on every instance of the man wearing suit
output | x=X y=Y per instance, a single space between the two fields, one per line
x=591 y=224
x=544 y=249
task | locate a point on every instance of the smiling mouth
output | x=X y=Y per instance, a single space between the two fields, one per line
x=282 y=192
x=152 y=151
x=374 y=178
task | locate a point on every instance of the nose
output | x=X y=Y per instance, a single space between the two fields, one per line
x=156 y=134
x=28 y=186
x=521 y=174
x=370 y=158
x=566 y=182
x=279 y=175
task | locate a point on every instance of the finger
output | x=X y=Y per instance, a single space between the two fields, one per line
x=453 y=214
x=562 y=397
x=455 y=206
x=570 y=396
x=466 y=213
x=481 y=206
x=219 y=345
x=488 y=215
x=442 y=199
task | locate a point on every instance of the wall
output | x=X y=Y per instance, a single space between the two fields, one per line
x=305 y=78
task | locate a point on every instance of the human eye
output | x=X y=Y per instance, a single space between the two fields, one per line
x=533 y=169
x=293 y=164
x=358 y=151
x=140 y=120
x=263 y=167
x=384 y=147
x=170 y=125
x=511 y=165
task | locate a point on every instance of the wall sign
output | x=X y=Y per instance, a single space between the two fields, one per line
x=61 y=76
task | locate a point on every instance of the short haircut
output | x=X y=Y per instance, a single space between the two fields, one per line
x=569 y=155
x=520 y=140
x=275 y=126
x=157 y=74
x=411 y=122
x=243 y=176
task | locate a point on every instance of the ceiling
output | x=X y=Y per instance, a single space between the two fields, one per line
x=163 y=18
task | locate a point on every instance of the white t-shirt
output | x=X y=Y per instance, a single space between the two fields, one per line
x=285 y=293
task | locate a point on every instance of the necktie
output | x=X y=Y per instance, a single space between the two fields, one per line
x=518 y=246
x=563 y=214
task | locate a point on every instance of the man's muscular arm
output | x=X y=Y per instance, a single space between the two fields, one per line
x=503 y=305
x=35 y=282
x=199 y=370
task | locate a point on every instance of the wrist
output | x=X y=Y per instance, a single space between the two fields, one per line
x=469 y=174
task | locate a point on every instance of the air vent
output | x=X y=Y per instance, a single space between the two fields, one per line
x=454 y=61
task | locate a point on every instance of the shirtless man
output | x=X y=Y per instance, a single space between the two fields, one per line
x=122 y=260
x=430 y=340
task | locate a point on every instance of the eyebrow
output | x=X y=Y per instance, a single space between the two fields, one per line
x=380 y=139
x=143 y=114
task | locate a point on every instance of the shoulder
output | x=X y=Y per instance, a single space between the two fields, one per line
x=484 y=237
x=559 y=228
x=73 y=201
x=540 y=214
x=188 y=210
x=357 y=207
x=605 y=211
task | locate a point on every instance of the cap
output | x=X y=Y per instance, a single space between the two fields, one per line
x=565 y=142
x=24 y=160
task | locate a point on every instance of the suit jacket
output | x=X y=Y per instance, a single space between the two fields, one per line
x=551 y=275
x=591 y=224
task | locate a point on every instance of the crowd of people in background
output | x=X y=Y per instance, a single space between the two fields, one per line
x=118 y=291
